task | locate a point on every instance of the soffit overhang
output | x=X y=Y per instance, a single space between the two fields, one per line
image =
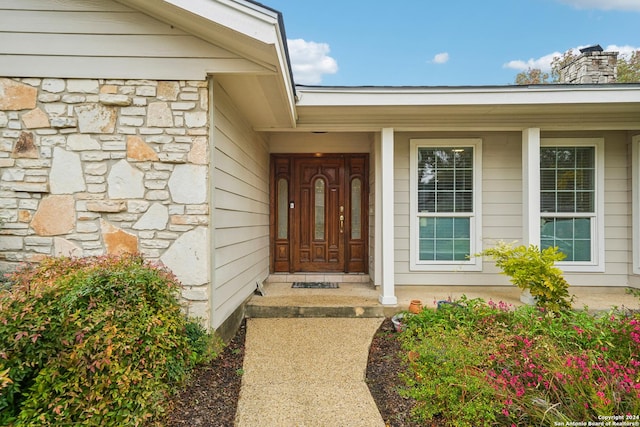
x=264 y=92
x=550 y=107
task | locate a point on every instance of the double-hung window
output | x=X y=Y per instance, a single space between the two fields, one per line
x=445 y=203
x=571 y=181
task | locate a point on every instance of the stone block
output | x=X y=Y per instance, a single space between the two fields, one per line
x=199 y=153
x=83 y=85
x=74 y=99
x=53 y=85
x=80 y=142
x=189 y=220
x=56 y=215
x=118 y=241
x=140 y=151
x=188 y=257
x=195 y=293
x=115 y=100
x=12 y=174
x=35 y=119
x=196 y=119
x=64 y=247
x=155 y=244
x=125 y=181
x=6 y=162
x=155 y=218
x=96 y=118
x=17 y=96
x=107 y=206
x=168 y=90
x=63 y=122
x=66 y=175
x=30 y=187
x=25 y=147
x=188 y=184
x=176 y=158
x=11 y=243
x=159 y=115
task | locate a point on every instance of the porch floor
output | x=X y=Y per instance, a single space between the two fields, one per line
x=357 y=297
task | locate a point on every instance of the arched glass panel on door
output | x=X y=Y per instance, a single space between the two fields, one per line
x=319 y=203
x=356 y=208
x=283 y=211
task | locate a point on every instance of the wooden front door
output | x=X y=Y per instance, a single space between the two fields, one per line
x=319 y=213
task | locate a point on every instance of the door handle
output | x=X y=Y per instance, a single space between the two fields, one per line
x=341 y=224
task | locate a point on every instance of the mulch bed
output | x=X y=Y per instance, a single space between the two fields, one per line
x=211 y=397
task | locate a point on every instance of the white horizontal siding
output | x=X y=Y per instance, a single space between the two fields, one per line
x=64 y=5
x=102 y=39
x=241 y=208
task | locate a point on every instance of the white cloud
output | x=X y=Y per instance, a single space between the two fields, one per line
x=441 y=58
x=605 y=4
x=310 y=61
x=623 y=51
x=544 y=62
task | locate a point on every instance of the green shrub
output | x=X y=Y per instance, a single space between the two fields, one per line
x=92 y=341
x=482 y=364
x=533 y=269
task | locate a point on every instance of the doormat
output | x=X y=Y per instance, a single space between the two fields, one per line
x=315 y=285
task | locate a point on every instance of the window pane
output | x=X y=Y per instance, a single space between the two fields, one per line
x=585 y=157
x=464 y=202
x=427 y=250
x=461 y=250
x=547 y=179
x=582 y=228
x=427 y=228
x=444 y=250
x=584 y=201
x=569 y=172
x=566 y=202
x=356 y=209
x=283 y=208
x=444 y=239
x=461 y=229
x=572 y=236
x=582 y=250
x=443 y=172
x=319 y=209
x=444 y=228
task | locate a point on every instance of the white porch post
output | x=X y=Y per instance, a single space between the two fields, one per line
x=531 y=186
x=530 y=195
x=386 y=210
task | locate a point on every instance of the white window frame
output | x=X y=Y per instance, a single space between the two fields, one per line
x=635 y=155
x=475 y=236
x=597 y=263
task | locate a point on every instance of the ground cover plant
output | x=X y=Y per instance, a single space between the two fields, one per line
x=476 y=363
x=93 y=341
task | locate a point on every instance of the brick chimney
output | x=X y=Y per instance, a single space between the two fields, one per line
x=593 y=65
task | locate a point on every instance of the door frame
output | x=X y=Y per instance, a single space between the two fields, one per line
x=356 y=165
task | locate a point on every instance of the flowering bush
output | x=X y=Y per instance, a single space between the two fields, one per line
x=522 y=367
x=92 y=341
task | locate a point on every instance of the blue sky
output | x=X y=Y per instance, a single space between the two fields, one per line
x=450 y=43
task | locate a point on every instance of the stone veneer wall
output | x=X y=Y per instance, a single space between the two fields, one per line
x=94 y=167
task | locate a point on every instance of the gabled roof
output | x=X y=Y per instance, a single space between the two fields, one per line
x=264 y=92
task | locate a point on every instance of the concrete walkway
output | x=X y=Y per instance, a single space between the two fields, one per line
x=307 y=372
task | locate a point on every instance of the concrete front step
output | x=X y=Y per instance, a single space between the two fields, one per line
x=350 y=300
x=281 y=311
